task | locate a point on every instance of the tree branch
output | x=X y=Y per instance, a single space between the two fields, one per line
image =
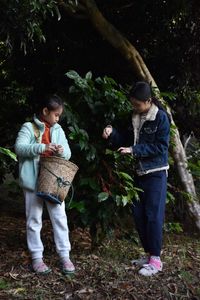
x=78 y=11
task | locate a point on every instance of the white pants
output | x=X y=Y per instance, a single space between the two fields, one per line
x=34 y=210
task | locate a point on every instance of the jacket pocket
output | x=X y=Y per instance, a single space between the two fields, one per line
x=150 y=130
x=148 y=134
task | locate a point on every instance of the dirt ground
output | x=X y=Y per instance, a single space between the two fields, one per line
x=104 y=273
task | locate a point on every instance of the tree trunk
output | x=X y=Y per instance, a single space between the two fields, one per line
x=129 y=52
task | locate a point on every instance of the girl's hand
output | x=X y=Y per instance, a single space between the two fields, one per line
x=59 y=149
x=51 y=147
x=107 y=132
x=125 y=150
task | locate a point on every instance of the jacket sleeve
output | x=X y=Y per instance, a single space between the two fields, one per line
x=161 y=143
x=64 y=142
x=120 y=138
x=24 y=147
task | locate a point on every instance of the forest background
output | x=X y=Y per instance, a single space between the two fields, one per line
x=60 y=47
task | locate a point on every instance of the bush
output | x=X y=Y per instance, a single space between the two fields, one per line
x=105 y=180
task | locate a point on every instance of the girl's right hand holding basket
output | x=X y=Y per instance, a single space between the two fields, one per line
x=59 y=149
x=54 y=148
x=51 y=147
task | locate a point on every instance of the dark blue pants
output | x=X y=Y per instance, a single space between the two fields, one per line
x=149 y=211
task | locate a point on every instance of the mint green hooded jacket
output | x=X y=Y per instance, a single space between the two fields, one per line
x=28 y=150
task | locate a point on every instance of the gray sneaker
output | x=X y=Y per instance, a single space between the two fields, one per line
x=140 y=261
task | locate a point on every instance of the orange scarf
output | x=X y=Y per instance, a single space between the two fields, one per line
x=46 y=139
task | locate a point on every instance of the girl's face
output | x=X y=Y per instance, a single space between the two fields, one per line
x=140 y=106
x=52 y=116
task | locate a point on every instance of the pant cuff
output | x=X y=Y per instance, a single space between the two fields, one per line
x=63 y=254
x=36 y=255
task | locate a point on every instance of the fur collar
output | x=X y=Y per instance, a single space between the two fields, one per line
x=138 y=120
x=150 y=116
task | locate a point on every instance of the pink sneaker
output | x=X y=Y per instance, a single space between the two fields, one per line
x=41 y=268
x=67 y=267
x=154 y=266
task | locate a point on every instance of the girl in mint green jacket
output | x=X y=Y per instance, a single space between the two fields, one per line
x=49 y=140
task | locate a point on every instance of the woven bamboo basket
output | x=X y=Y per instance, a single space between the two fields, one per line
x=55 y=178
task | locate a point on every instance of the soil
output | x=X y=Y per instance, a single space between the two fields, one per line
x=101 y=273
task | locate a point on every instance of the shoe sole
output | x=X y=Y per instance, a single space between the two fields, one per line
x=68 y=273
x=40 y=273
x=136 y=264
x=43 y=273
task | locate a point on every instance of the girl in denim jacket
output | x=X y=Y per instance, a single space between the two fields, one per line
x=150 y=131
x=51 y=140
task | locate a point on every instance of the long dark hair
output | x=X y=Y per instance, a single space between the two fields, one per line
x=161 y=107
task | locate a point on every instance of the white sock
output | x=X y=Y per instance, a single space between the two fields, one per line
x=155 y=257
x=64 y=258
x=36 y=261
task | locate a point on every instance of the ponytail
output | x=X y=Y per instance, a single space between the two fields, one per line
x=161 y=107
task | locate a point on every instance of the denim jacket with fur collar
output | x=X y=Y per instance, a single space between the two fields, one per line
x=149 y=140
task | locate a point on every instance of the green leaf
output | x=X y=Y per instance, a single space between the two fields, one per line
x=82 y=144
x=170 y=198
x=8 y=153
x=4 y=284
x=109 y=152
x=125 y=200
x=169 y=95
x=88 y=75
x=72 y=74
x=88 y=181
x=79 y=206
x=118 y=199
x=102 y=196
x=125 y=176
